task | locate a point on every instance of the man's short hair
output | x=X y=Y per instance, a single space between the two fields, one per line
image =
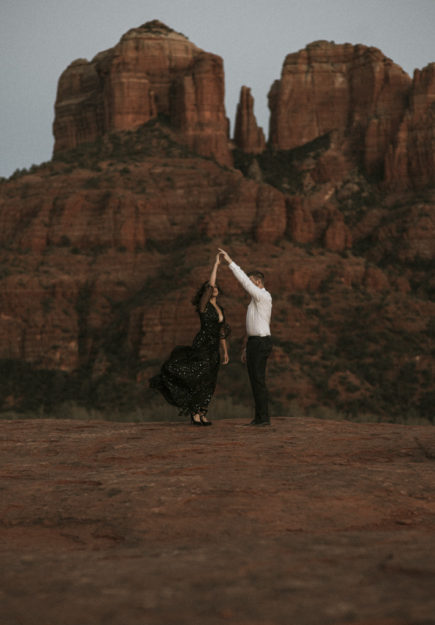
x=257 y=274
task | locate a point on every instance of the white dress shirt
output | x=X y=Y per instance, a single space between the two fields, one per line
x=260 y=307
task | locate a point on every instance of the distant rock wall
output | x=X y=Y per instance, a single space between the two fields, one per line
x=353 y=89
x=248 y=136
x=152 y=71
x=410 y=160
x=102 y=249
x=387 y=120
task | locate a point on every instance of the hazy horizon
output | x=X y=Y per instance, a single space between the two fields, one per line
x=40 y=39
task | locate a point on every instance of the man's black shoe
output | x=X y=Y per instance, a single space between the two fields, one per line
x=254 y=422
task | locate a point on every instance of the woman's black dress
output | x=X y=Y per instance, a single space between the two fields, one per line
x=188 y=378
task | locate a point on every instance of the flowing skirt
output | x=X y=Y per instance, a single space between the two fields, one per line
x=188 y=378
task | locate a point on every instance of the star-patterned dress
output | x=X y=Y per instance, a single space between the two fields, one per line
x=188 y=378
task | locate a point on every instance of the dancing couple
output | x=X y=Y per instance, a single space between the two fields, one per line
x=188 y=378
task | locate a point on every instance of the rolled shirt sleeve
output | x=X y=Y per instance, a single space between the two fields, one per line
x=253 y=290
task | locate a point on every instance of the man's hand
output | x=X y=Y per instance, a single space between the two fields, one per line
x=225 y=255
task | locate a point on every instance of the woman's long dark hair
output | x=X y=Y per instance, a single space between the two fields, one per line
x=200 y=292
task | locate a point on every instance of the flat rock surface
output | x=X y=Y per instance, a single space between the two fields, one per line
x=306 y=522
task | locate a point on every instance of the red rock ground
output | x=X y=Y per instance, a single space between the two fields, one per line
x=307 y=522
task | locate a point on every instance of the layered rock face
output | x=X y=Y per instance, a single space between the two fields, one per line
x=385 y=120
x=248 y=136
x=100 y=264
x=410 y=160
x=102 y=248
x=107 y=235
x=152 y=71
x=355 y=90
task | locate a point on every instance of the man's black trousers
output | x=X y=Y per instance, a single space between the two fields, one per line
x=258 y=350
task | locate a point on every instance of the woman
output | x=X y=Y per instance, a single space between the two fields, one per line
x=188 y=378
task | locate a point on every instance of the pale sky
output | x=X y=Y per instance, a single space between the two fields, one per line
x=40 y=38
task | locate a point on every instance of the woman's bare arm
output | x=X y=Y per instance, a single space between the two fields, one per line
x=212 y=279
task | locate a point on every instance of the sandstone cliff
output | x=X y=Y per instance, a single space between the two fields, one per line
x=355 y=90
x=385 y=120
x=152 y=71
x=410 y=160
x=248 y=136
x=103 y=247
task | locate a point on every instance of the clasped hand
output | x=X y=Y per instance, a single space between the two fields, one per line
x=225 y=255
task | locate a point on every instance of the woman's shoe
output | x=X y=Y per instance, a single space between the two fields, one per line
x=204 y=421
x=194 y=421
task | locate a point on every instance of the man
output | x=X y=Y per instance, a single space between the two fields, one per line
x=258 y=342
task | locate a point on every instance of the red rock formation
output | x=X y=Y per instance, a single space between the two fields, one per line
x=352 y=89
x=301 y=223
x=337 y=236
x=410 y=235
x=375 y=280
x=410 y=161
x=324 y=225
x=100 y=257
x=271 y=218
x=99 y=268
x=258 y=209
x=152 y=70
x=248 y=136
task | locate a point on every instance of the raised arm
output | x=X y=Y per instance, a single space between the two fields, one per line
x=212 y=279
x=253 y=290
x=208 y=291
